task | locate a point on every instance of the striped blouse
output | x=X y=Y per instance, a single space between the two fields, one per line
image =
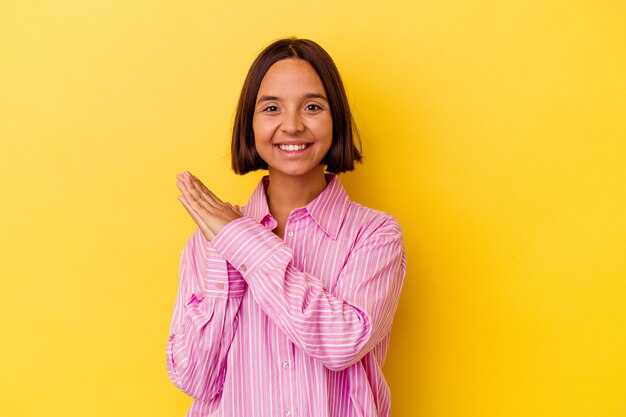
x=297 y=327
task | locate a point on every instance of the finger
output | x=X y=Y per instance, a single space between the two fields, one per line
x=196 y=218
x=198 y=191
x=198 y=188
x=185 y=177
x=184 y=188
x=202 y=208
x=184 y=181
x=194 y=191
x=202 y=189
x=190 y=209
x=236 y=209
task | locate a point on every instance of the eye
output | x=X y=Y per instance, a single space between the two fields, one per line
x=270 y=109
x=313 y=107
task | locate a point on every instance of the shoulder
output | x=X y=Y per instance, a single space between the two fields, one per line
x=368 y=222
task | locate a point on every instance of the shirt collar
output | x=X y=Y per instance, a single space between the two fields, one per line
x=257 y=207
x=328 y=209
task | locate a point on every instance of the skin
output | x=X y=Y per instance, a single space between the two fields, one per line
x=291 y=109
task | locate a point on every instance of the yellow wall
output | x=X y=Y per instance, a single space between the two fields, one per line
x=495 y=131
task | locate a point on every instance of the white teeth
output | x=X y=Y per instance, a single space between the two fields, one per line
x=292 y=148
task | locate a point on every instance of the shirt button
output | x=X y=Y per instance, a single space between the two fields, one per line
x=287 y=412
x=243 y=268
x=290 y=233
x=285 y=365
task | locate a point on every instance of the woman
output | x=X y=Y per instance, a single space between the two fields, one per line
x=285 y=306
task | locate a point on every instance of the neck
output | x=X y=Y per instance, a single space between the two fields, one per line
x=285 y=192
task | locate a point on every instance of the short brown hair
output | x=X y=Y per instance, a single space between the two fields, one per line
x=342 y=153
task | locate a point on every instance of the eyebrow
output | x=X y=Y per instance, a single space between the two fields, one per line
x=276 y=98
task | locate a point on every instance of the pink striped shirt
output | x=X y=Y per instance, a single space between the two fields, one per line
x=297 y=327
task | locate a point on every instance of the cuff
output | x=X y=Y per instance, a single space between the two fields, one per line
x=246 y=245
x=219 y=279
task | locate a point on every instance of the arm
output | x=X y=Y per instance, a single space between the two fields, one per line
x=204 y=321
x=336 y=329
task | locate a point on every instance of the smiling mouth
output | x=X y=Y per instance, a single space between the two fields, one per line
x=293 y=148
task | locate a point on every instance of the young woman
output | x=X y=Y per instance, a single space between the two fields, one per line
x=285 y=306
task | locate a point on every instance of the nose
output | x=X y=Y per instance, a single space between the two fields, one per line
x=292 y=122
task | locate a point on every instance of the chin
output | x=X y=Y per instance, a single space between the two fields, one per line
x=298 y=171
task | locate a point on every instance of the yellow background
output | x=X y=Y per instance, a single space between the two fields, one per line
x=495 y=131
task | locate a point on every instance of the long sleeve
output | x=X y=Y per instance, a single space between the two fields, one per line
x=337 y=327
x=204 y=321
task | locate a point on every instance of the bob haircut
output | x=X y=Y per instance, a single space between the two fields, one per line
x=342 y=153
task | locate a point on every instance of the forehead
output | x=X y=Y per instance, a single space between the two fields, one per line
x=291 y=76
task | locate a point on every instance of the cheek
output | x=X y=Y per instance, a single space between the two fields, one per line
x=263 y=131
x=255 y=127
x=258 y=135
x=324 y=130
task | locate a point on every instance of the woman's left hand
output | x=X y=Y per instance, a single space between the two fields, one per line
x=209 y=212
